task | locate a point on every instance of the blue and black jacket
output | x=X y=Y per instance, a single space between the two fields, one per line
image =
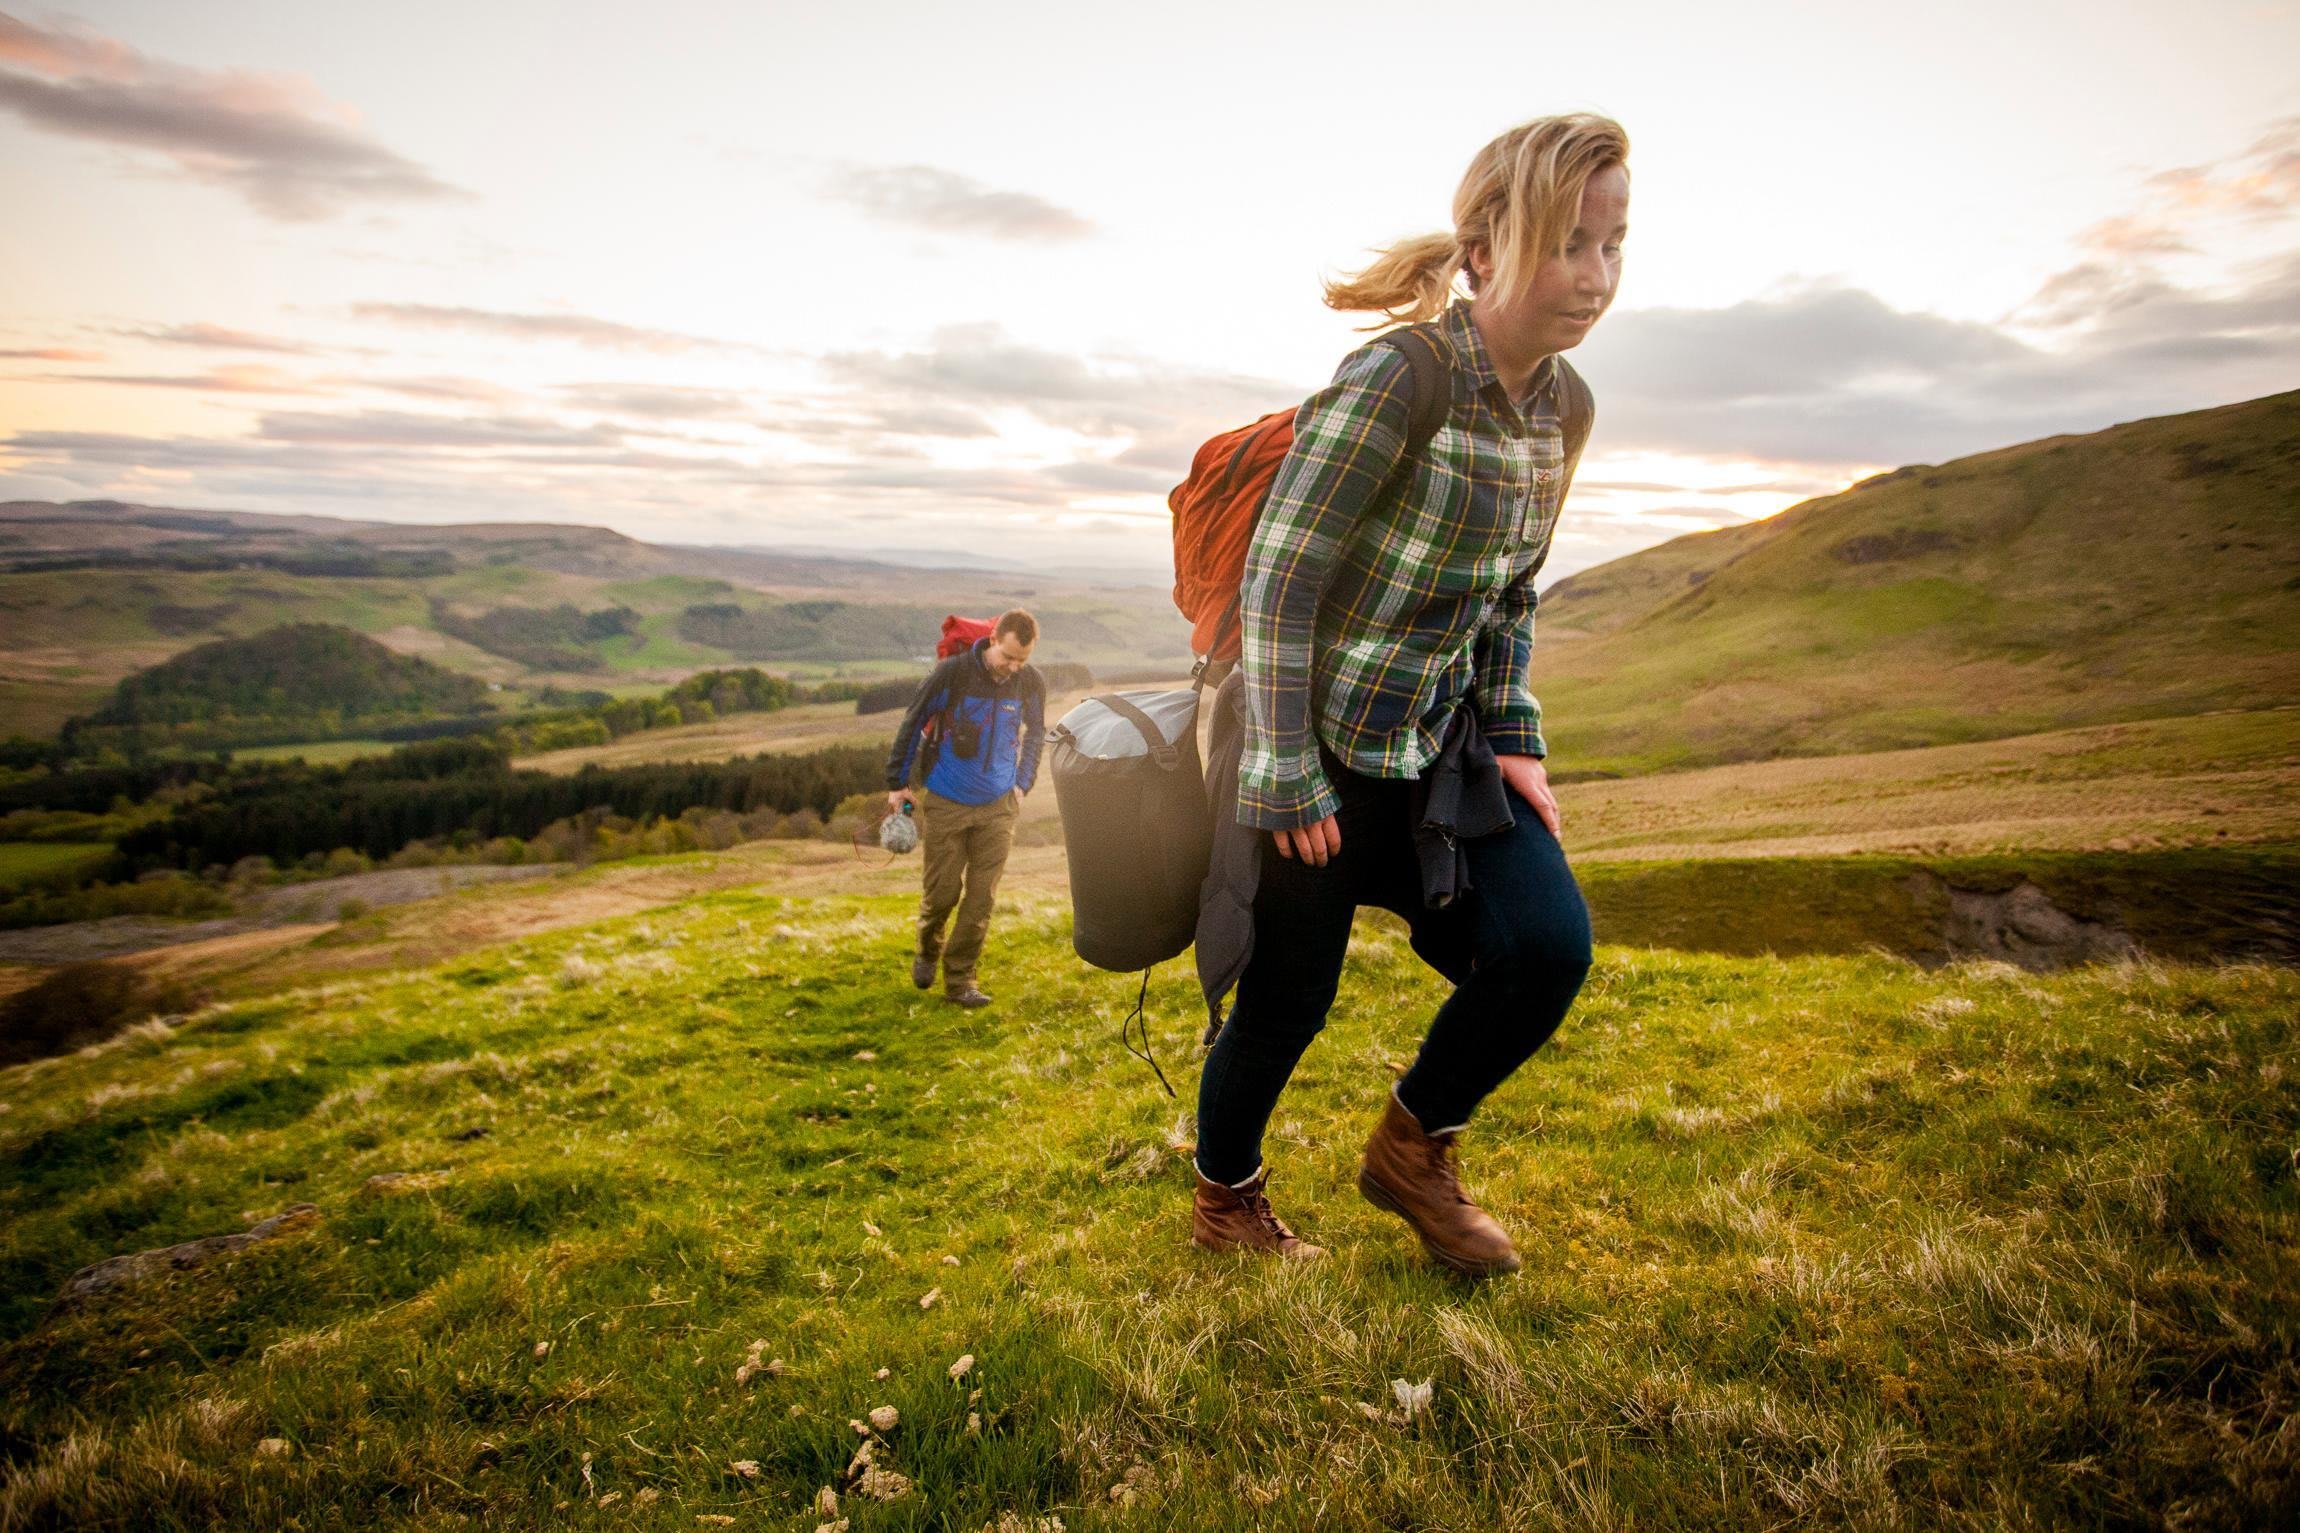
x=990 y=733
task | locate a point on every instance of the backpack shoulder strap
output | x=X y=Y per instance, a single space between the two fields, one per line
x=1576 y=409
x=1162 y=753
x=959 y=684
x=1429 y=365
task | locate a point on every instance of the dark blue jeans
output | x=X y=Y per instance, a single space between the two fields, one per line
x=1516 y=949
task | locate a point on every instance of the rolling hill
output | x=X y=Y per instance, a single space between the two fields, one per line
x=300 y=679
x=93 y=591
x=2150 y=570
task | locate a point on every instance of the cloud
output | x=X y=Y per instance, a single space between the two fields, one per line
x=1804 y=485
x=294 y=155
x=219 y=338
x=929 y=420
x=575 y=329
x=2134 y=234
x=243 y=378
x=2262 y=182
x=259 y=378
x=399 y=428
x=2254 y=188
x=656 y=401
x=978 y=366
x=1111 y=478
x=62 y=449
x=50 y=354
x=945 y=202
x=1834 y=375
x=451 y=389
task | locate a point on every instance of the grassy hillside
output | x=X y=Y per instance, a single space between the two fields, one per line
x=2143 y=571
x=1819 y=1241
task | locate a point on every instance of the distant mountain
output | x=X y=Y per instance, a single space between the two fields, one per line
x=111 y=534
x=2149 y=570
x=304 y=681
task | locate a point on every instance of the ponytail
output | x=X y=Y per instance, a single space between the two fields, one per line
x=1408 y=283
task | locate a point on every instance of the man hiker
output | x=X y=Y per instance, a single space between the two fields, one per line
x=987 y=709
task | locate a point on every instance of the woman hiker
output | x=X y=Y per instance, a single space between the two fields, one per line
x=1388 y=626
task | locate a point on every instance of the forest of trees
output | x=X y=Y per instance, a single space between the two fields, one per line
x=301 y=681
x=810 y=630
x=541 y=638
x=467 y=789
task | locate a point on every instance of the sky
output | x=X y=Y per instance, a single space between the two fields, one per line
x=921 y=280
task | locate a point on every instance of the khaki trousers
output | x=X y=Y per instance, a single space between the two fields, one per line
x=965 y=847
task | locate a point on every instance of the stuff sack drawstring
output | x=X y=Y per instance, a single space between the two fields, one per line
x=1126 y=1029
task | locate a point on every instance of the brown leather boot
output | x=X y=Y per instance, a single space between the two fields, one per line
x=1234 y=1218
x=1411 y=1174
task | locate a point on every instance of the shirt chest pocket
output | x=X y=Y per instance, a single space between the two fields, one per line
x=1505 y=499
x=1544 y=490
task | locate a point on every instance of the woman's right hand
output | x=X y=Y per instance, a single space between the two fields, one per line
x=1313 y=844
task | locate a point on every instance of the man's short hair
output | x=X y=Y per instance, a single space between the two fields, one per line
x=1017 y=622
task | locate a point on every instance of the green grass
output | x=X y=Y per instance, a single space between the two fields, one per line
x=318 y=753
x=31 y=862
x=1811 y=1241
x=658 y=645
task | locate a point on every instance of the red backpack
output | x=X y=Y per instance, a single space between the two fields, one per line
x=1215 y=509
x=959 y=634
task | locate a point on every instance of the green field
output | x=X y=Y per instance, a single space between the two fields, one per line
x=1811 y=1242
x=27 y=862
x=318 y=753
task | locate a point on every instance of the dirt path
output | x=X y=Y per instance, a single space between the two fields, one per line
x=289 y=905
x=433 y=930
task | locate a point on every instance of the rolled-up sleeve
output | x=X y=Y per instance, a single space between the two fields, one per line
x=1348 y=440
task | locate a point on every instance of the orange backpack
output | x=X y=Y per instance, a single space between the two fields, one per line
x=1216 y=507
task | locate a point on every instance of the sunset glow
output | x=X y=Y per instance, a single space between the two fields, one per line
x=759 y=274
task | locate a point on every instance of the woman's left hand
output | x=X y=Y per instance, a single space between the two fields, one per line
x=1530 y=778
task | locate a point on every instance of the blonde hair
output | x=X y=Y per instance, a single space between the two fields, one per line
x=1519 y=199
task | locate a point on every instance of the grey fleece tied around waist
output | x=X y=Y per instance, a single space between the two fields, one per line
x=1460 y=797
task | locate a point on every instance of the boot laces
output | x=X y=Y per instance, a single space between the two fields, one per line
x=1437 y=1153
x=1256 y=1202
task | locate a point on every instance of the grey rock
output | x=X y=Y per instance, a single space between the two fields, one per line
x=139 y=1267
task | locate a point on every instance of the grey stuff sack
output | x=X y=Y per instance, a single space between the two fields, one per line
x=1135 y=824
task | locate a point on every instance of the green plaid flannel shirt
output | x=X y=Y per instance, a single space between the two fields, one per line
x=1371 y=609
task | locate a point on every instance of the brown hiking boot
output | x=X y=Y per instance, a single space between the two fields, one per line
x=1240 y=1218
x=922 y=971
x=968 y=995
x=1411 y=1174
